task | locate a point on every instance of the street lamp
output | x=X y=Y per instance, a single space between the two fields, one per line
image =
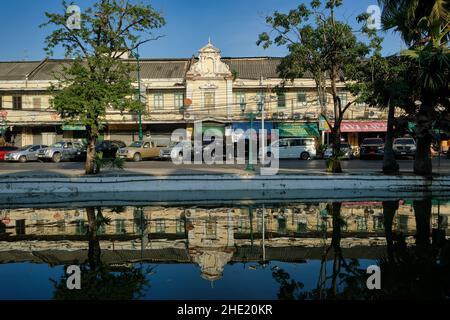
x=141 y=134
x=251 y=117
x=261 y=109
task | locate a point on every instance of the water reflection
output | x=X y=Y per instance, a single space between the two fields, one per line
x=120 y=249
x=100 y=280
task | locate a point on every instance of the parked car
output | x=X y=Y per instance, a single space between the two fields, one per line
x=210 y=147
x=372 y=148
x=166 y=152
x=109 y=148
x=404 y=147
x=346 y=151
x=63 y=150
x=5 y=150
x=139 y=150
x=295 y=148
x=24 y=154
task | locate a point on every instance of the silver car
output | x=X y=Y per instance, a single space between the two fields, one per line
x=63 y=150
x=24 y=154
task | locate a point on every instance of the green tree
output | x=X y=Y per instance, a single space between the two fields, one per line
x=424 y=26
x=389 y=85
x=325 y=48
x=97 y=79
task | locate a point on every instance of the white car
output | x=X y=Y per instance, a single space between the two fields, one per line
x=295 y=148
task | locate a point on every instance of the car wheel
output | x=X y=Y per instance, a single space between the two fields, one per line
x=137 y=157
x=304 y=156
x=22 y=159
x=56 y=158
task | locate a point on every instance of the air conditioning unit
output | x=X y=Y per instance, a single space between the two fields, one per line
x=189 y=212
x=280 y=115
x=373 y=115
x=311 y=115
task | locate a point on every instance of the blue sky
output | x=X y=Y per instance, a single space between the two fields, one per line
x=233 y=26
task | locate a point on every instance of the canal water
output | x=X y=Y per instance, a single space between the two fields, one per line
x=240 y=250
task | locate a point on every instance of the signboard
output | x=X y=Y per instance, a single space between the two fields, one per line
x=299 y=130
x=323 y=125
x=363 y=126
x=74 y=128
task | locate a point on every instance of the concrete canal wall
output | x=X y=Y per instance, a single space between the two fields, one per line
x=218 y=183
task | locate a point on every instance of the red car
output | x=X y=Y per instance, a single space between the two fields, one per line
x=6 y=150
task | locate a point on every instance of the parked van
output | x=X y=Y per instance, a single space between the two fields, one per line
x=296 y=148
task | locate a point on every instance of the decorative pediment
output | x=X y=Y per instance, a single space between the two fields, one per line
x=209 y=64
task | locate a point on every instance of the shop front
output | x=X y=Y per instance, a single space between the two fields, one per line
x=354 y=132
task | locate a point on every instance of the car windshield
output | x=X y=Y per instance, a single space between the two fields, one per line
x=341 y=146
x=309 y=142
x=404 y=141
x=372 y=141
x=136 y=144
x=25 y=148
x=58 y=145
x=174 y=144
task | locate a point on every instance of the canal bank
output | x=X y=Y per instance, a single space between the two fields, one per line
x=115 y=183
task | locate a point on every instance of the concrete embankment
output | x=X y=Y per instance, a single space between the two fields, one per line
x=93 y=184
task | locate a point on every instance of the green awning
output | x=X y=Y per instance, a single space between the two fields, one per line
x=299 y=130
x=73 y=128
x=213 y=130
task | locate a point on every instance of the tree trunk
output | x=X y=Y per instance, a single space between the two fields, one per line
x=422 y=213
x=390 y=165
x=389 y=210
x=90 y=167
x=335 y=165
x=422 y=163
x=335 y=209
x=94 y=252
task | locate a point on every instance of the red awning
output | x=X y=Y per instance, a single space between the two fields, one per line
x=363 y=126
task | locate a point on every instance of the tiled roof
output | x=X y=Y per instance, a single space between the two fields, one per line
x=246 y=68
x=163 y=69
x=16 y=70
x=174 y=255
x=254 y=68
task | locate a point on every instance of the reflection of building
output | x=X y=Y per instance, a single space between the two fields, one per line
x=213 y=226
x=179 y=92
x=209 y=237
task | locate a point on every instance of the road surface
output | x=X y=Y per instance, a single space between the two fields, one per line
x=167 y=167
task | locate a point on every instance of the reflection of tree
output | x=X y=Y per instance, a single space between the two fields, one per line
x=345 y=280
x=98 y=280
x=290 y=289
x=421 y=270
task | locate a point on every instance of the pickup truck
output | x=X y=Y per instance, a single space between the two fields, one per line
x=63 y=150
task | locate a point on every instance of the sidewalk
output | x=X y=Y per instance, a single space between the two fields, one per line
x=188 y=171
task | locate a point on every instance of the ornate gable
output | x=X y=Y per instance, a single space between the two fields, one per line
x=209 y=64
